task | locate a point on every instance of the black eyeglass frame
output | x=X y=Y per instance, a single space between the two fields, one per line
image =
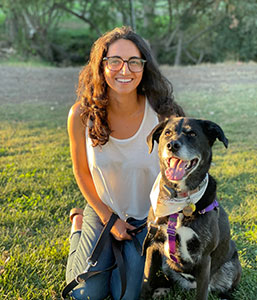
x=143 y=61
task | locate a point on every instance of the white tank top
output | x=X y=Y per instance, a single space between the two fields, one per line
x=123 y=171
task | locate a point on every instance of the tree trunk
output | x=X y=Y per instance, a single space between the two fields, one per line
x=148 y=9
x=132 y=15
x=177 y=61
x=11 y=25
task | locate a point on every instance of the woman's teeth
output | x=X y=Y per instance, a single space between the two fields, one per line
x=123 y=80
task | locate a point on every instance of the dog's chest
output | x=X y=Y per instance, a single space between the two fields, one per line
x=187 y=248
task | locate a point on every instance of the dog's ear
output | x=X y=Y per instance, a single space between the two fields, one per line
x=155 y=134
x=213 y=131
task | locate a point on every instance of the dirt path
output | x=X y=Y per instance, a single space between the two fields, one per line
x=26 y=84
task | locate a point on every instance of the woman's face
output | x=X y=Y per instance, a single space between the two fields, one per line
x=123 y=81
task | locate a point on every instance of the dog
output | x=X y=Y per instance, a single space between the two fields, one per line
x=188 y=239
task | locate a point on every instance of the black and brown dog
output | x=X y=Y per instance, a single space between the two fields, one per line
x=189 y=234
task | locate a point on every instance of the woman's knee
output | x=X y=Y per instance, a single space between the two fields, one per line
x=79 y=293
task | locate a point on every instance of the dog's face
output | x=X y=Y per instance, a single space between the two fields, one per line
x=185 y=150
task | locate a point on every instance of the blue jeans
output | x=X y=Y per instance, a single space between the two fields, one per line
x=107 y=283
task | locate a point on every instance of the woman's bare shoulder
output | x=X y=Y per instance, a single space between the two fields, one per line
x=75 y=110
x=74 y=119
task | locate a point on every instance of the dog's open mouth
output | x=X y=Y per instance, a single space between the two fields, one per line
x=178 y=168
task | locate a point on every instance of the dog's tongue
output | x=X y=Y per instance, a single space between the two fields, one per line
x=176 y=171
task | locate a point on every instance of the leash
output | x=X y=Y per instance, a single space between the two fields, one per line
x=92 y=259
x=152 y=231
x=171 y=230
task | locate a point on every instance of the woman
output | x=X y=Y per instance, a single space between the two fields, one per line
x=121 y=94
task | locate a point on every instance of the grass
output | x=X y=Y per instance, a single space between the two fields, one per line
x=38 y=189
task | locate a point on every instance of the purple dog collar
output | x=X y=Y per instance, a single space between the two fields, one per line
x=171 y=230
x=214 y=204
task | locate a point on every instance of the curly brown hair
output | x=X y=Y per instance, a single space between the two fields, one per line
x=92 y=88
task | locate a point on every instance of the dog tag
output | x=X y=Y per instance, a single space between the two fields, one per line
x=188 y=210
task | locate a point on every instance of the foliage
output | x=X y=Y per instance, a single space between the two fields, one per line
x=28 y=23
x=179 y=31
x=235 y=37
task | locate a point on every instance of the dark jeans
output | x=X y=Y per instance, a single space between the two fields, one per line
x=106 y=283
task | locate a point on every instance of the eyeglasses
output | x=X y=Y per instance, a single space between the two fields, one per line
x=116 y=63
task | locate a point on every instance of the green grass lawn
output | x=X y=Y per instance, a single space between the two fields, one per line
x=38 y=188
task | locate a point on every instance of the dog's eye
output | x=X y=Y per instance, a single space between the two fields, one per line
x=191 y=133
x=168 y=132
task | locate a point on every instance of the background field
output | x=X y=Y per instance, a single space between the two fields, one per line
x=37 y=187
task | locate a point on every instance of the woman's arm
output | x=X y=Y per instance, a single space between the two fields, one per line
x=83 y=176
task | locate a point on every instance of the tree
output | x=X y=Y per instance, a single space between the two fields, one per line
x=28 y=24
x=101 y=15
x=179 y=31
x=186 y=22
x=236 y=37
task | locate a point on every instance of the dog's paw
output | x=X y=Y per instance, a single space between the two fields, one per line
x=160 y=293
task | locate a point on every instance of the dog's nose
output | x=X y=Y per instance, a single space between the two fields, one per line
x=174 y=146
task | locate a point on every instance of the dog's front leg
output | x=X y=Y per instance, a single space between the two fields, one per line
x=154 y=278
x=203 y=278
x=152 y=266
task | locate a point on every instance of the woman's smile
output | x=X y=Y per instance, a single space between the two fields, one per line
x=124 y=80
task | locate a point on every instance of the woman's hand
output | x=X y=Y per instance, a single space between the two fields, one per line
x=119 y=230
